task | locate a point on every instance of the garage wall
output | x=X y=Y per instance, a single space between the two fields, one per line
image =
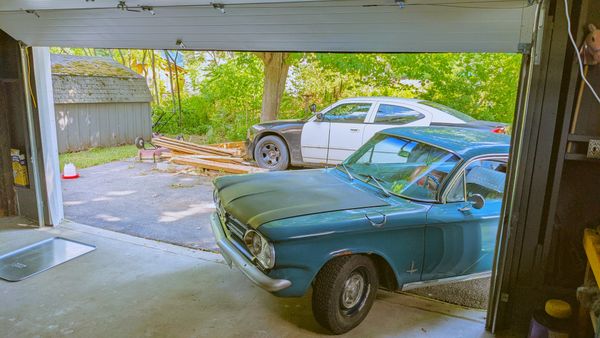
x=85 y=125
x=555 y=193
x=13 y=132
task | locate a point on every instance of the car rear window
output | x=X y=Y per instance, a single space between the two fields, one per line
x=448 y=110
x=392 y=114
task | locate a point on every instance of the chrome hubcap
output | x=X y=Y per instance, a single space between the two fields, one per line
x=270 y=154
x=353 y=290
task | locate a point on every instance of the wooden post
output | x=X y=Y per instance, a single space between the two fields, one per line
x=7 y=194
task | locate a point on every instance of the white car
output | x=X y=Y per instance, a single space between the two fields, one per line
x=331 y=135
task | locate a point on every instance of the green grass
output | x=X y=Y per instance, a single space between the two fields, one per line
x=97 y=156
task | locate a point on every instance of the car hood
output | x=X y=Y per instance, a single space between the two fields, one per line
x=260 y=198
x=277 y=125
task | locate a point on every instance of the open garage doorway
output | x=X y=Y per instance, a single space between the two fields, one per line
x=189 y=43
x=216 y=98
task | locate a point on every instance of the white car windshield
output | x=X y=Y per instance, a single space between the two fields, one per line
x=402 y=167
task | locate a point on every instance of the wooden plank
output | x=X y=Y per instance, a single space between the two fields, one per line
x=219 y=166
x=7 y=194
x=581 y=138
x=217 y=151
x=224 y=159
x=229 y=145
x=180 y=149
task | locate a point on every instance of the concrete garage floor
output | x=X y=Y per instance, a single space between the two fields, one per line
x=134 y=198
x=133 y=287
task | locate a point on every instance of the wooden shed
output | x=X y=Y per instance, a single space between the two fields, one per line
x=98 y=103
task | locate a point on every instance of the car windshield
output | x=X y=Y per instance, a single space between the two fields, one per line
x=403 y=167
x=448 y=110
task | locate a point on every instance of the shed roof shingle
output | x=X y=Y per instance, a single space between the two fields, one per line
x=74 y=65
x=84 y=79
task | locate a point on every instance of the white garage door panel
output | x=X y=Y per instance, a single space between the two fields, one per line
x=7 y=5
x=297 y=26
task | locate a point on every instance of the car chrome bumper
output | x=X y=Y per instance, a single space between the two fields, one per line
x=233 y=256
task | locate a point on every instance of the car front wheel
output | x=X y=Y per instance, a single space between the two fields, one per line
x=271 y=153
x=344 y=292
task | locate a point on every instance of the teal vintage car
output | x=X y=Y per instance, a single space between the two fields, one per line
x=411 y=207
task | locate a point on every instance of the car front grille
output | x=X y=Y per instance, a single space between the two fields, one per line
x=235 y=227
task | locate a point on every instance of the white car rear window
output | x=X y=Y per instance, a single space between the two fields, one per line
x=450 y=111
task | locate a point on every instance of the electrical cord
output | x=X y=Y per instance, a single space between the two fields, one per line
x=577 y=53
x=33 y=99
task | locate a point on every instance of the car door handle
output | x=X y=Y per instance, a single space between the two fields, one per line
x=465 y=209
x=354 y=129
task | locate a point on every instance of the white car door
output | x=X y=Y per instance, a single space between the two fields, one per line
x=390 y=115
x=337 y=135
x=314 y=141
x=347 y=128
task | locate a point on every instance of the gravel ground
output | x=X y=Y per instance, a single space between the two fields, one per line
x=473 y=293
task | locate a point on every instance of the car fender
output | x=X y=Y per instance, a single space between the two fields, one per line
x=290 y=134
x=369 y=252
x=303 y=275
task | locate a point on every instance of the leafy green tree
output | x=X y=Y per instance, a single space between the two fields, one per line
x=223 y=91
x=483 y=85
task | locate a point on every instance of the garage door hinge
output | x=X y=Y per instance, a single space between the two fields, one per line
x=524 y=48
x=504 y=297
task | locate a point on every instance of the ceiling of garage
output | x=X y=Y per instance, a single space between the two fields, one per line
x=277 y=25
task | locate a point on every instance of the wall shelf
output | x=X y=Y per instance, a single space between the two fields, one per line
x=579 y=157
x=582 y=138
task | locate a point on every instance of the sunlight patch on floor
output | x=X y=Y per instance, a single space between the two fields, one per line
x=194 y=209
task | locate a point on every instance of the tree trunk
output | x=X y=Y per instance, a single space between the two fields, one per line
x=276 y=71
x=122 y=58
x=155 y=80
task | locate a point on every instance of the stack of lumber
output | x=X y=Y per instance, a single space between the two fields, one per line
x=196 y=149
x=225 y=157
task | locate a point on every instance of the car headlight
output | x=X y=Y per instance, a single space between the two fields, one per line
x=218 y=205
x=260 y=248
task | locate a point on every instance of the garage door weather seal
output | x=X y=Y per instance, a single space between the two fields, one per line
x=38 y=257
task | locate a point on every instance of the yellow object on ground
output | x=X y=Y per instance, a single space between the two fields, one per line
x=558 y=308
x=591 y=245
x=19 y=166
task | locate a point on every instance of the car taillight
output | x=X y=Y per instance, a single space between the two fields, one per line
x=499 y=130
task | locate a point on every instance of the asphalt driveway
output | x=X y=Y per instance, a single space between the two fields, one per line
x=137 y=199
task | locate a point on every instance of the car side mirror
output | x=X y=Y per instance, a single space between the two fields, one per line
x=319 y=117
x=313 y=108
x=477 y=201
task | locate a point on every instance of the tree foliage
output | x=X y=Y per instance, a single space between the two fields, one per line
x=223 y=91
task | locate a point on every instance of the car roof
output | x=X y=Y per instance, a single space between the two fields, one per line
x=382 y=98
x=466 y=142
